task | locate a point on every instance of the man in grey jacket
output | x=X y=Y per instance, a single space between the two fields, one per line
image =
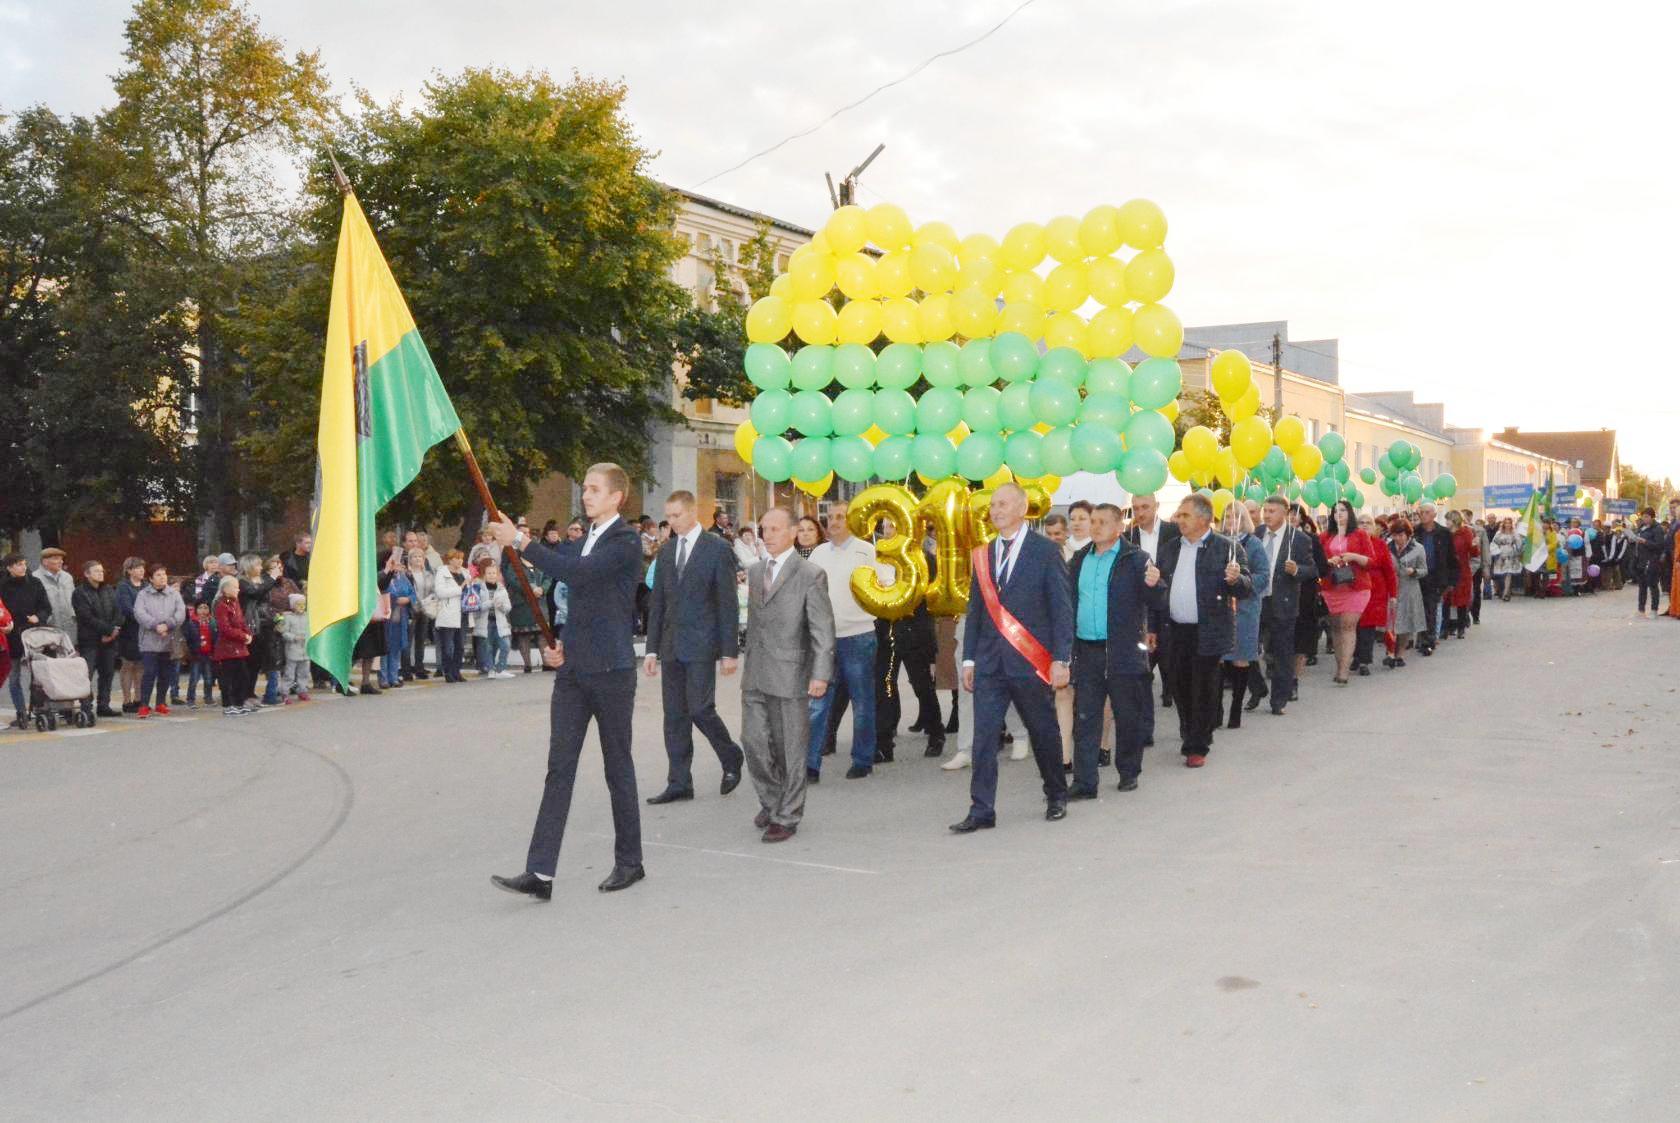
x=788 y=661
x=61 y=587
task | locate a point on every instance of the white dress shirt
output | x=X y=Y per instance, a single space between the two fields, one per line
x=1181 y=599
x=1274 y=541
x=692 y=538
x=1149 y=541
x=595 y=532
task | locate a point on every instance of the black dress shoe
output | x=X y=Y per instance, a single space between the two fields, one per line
x=971 y=824
x=622 y=877
x=883 y=756
x=1080 y=793
x=1254 y=701
x=106 y=711
x=528 y=884
x=731 y=781
x=1104 y=757
x=1056 y=809
x=1127 y=784
x=935 y=746
x=1364 y=671
x=762 y=819
x=858 y=771
x=670 y=795
x=1166 y=702
x=1276 y=710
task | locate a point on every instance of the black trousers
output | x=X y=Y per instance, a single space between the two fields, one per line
x=689 y=691
x=1431 y=614
x=1194 y=679
x=232 y=676
x=101 y=660
x=1277 y=634
x=1127 y=695
x=1477 y=580
x=1365 y=644
x=609 y=698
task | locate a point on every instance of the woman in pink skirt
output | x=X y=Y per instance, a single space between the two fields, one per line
x=1347 y=584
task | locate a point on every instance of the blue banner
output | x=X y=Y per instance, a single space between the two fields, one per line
x=1623 y=507
x=1563 y=496
x=1506 y=495
x=1569 y=511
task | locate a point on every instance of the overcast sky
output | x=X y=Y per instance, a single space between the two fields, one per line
x=1478 y=199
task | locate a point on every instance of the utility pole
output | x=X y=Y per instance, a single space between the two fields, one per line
x=846 y=193
x=1277 y=372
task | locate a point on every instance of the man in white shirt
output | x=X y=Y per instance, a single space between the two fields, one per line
x=854 y=648
x=1149 y=533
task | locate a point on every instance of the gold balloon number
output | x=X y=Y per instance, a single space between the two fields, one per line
x=944 y=513
x=902 y=550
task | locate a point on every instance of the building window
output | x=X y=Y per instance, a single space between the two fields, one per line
x=727 y=488
x=702 y=244
x=1358 y=454
x=727 y=249
x=782 y=263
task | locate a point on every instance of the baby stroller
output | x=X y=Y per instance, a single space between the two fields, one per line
x=59 y=684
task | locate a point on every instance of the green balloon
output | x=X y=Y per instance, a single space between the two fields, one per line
x=1108 y=376
x=980 y=409
x=894 y=458
x=1389 y=487
x=1096 y=447
x=1341 y=471
x=1257 y=492
x=976 y=363
x=851 y=458
x=854 y=366
x=813 y=368
x=1417 y=456
x=1149 y=430
x=1387 y=467
x=1369 y=475
x=1014 y=357
x=934 y=456
x=1350 y=492
x=812 y=416
x=1054 y=402
x=768 y=366
x=1333 y=447
x=1015 y=407
x=1155 y=382
x=898 y=366
x=1024 y=454
x=1293 y=489
x=942 y=364
x=811 y=460
x=1411 y=487
x=1309 y=493
x=1063 y=364
x=1357 y=499
x=770 y=413
x=895 y=412
x=1276 y=464
x=1107 y=409
x=1446 y=485
x=853 y=412
x=1057 y=451
x=1143 y=470
x=773 y=458
x=939 y=410
x=980 y=455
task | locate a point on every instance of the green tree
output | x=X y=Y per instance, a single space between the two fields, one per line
x=711 y=342
x=534 y=251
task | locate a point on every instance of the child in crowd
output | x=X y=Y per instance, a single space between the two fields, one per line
x=490 y=624
x=200 y=637
x=294 y=629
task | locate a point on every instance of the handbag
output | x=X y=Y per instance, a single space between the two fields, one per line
x=472 y=598
x=1341 y=575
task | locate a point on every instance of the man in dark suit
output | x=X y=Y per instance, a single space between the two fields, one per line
x=692 y=623
x=1441 y=575
x=1203 y=574
x=1290 y=554
x=1035 y=604
x=595 y=678
x=1116 y=589
x=1149 y=532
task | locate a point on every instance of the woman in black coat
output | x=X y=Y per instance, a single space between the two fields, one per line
x=254 y=588
x=1311 y=620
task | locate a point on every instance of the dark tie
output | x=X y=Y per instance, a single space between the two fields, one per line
x=682 y=556
x=770 y=575
x=1003 y=560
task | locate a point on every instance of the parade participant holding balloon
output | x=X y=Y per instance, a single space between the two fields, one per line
x=1240 y=665
x=1293 y=574
x=1346 y=586
x=1149 y=532
x=1016 y=650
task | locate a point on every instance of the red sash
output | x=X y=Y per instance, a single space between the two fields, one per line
x=1012 y=630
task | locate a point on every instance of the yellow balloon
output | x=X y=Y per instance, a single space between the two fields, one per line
x=745 y=435
x=1306 y=460
x=974 y=314
x=1245 y=407
x=1142 y=225
x=892 y=275
x=932 y=268
x=1042 y=428
x=1110 y=333
x=782 y=286
x=901 y=320
x=1106 y=278
x=1061 y=239
x=1220 y=499
x=902 y=551
x=1149 y=276
x=860 y=322
x=1067 y=329
x=936 y=234
x=984 y=275
x=1179 y=465
x=874 y=435
x=978 y=247
x=1201 y=448
x=769 y=320
x=1023 y=246
x=816 y=489
x=819 y=244
x=1067 y=287
x=1024 y=287
x=1251 y=439
x=1157 y=330
x=998 y=478
x=938 y=319
x=1170 y=410
x=1228 y=471
x=1099 y=231
x=800 y=253
x=1028 y=319
x=1290 y=435
x=960 y=434
x=855 y=274
x=847 y=229
x=814 y=321
x=1231 y=374
x=812 y=276
x=889 y=227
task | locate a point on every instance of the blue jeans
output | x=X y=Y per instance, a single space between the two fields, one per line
x=201 y=670
x=854 y=665
x=157 y=672
x=20 y=699
x=396 y=645
x=449 y=653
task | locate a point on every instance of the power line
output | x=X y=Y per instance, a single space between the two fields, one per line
x=905 y=77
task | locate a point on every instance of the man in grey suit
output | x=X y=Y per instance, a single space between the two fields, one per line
x=1289 y=553
x=789 y=661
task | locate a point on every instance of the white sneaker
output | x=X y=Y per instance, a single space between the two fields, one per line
x=1020 y=750
x=961 y=760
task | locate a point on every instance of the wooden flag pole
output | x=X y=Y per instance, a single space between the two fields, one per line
x=515 y=562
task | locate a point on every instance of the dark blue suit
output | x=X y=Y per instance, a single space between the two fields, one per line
x=1115 y=671
x=598 y=680
x=1036 y=592
x=693 y=621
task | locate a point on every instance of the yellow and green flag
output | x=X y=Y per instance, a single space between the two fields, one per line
x=382 y=406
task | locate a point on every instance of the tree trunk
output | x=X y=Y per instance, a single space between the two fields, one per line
x=472 y=517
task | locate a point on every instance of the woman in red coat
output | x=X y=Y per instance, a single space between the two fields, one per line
x=1455 y=602
x=1385 y=586
x=1347 y=583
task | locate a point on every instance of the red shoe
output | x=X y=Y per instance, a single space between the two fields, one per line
x=1194 y=761
x=162 y=710
x=143 y=711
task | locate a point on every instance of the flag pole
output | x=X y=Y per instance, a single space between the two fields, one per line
x=516 y=563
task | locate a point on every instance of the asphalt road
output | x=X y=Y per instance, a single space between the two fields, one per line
x=1450 y=892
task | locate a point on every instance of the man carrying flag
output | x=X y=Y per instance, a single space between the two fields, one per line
x=1532 y=526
